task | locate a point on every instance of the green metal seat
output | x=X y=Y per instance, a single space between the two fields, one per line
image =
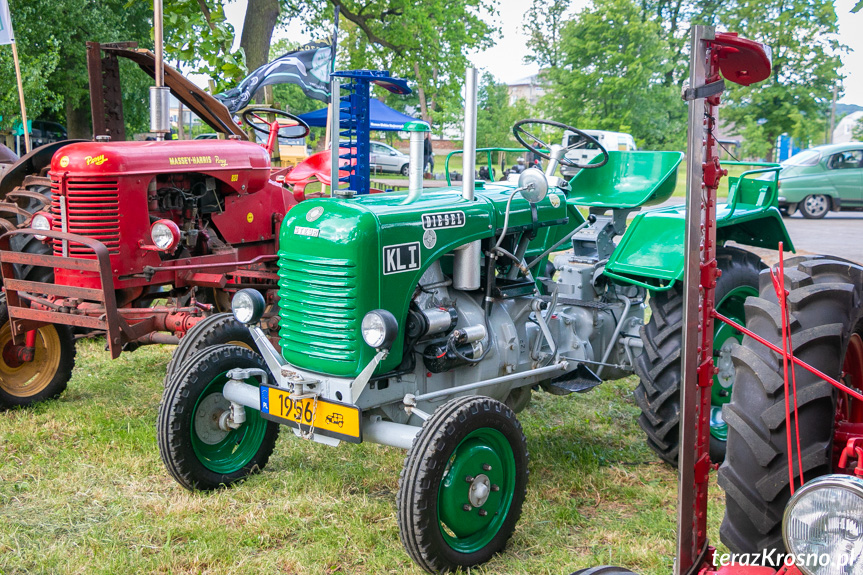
x=629 y=180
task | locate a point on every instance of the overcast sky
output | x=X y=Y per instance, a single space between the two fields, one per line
x=505 y=60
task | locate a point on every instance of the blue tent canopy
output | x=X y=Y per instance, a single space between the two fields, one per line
x=382 y=117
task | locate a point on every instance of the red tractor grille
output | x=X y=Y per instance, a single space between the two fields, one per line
x=92 y=210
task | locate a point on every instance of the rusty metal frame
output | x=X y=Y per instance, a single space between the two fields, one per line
x=23 y=318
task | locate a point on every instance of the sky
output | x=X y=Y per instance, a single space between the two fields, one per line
x=505 y=60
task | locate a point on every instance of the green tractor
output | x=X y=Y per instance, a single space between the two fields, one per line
x=425 y=320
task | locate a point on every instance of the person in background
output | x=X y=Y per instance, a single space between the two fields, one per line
x=428 y=155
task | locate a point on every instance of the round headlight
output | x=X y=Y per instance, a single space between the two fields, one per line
x=165 y=235
x=248 y=306
x=379 y=329
x=41 y=221
x=823 y=526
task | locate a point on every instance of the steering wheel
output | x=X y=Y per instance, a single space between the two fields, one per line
x=518 y=131
x=251 y=117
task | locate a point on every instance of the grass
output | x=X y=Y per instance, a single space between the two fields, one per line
x=83 y=490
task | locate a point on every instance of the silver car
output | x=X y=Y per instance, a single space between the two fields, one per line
x=385 y=158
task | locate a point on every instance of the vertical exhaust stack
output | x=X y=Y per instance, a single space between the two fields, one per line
x=160 y=96
x=466 y=263
x=335 y=132
x=418 y=131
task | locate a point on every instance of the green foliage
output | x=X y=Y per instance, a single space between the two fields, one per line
x=53 y=53
x=496 y=116
x=427 y=41
x=857 y=132
x=610 y=77
x=802 y=35
x=543 y=23
x=197 y=33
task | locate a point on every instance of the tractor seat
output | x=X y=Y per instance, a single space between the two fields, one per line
x=629 y=180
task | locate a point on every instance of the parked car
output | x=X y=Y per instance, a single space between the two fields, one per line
x=44 y=132
x=385 y=158
x=821 y=179
x=582 y=155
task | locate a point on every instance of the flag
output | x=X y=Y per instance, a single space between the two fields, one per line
x=308 y=67
x=6 y=34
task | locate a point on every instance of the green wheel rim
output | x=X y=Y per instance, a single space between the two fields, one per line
x=731 y=306
x=238 y=447
x=486 y=456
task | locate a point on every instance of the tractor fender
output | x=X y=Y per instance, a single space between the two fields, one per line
x=650 y=254
x=30 y=165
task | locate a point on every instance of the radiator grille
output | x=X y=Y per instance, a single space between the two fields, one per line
x=92 y=210
x=318 y=308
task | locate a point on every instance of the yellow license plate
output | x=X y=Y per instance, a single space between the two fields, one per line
x=338 y=420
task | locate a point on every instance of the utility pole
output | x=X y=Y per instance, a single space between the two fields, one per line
x=832 y=115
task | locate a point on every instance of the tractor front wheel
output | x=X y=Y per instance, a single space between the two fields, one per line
x=46 y=375
x=825 y=305
x=197 y=451
x=217 y=329
x=463 y=484
x=658 y=392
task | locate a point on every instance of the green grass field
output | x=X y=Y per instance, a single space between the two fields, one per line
x=83 y=490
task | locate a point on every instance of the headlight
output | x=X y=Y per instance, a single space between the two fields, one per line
x=823 y=526
x=165 y=235
x=248 y=306
x=379 y=329
x=41 y=221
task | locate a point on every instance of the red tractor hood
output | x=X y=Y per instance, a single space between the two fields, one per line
x=243 y=165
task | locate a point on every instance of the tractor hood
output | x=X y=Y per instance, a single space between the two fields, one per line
x=340 y=259
x=243 y=165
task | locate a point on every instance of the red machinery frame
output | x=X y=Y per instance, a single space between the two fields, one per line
x=716 y=56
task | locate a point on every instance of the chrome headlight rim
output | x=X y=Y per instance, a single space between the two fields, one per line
x=42 y=221
x=158 y=237
x=385 y=323
x=839 y=481
x=247 y=306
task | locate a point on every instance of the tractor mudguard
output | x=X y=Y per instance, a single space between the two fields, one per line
x=650 y=254
x=30 y=164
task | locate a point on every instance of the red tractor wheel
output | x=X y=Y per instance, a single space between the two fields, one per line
x=825 y=304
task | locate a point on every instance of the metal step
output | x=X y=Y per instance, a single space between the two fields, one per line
x=580 y=380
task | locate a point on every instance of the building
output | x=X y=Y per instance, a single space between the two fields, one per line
x=529 y=88
x=845 y=128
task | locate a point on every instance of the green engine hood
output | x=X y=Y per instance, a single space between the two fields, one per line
x=340 y=259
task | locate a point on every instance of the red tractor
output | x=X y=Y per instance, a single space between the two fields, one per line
x=139 y=240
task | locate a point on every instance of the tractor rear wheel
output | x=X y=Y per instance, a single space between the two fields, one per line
x=197 y=452
x=825 y=305
x=658 y=392
x=463 y=484
x=217 y=329
x=23 y=382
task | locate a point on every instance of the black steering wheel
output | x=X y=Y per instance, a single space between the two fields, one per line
x=585 y=139
x=252 y=118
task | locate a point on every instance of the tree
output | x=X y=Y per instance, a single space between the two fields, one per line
x=610 y=76
x=543 y=26
x=53 y=57
x=495 y=115
x=428 y=41
x=857 y=132
x=197 y=33
x=802 y=35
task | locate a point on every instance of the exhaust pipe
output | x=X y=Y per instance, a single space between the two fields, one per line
x=466 y=260
x=418 y=131
x=160 y=96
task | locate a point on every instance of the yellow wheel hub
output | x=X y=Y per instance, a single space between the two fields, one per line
x=26 y=379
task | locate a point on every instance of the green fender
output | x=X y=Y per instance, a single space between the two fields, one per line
x=650 y=254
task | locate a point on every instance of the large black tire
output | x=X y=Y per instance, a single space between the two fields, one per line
x=826 y=308
x=658 y=392
x=195 y=451
x=217 y=329
x=438 y=525
x=46 y=377
x=29 y=244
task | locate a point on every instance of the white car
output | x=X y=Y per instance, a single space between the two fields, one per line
x=582 y=155
x=385 y=158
